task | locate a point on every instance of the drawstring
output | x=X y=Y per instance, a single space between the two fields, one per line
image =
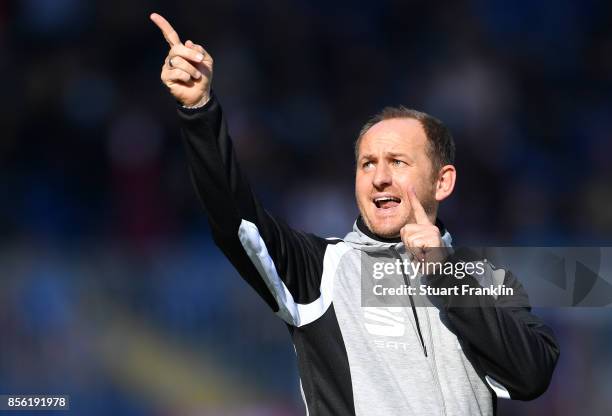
x=416 y=317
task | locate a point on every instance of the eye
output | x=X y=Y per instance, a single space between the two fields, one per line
x=397 y=162
x=368 y=164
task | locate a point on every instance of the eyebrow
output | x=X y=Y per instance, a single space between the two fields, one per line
x=367 y=156
x=388 y=154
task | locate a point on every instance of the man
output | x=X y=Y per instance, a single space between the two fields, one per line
x=451 y=359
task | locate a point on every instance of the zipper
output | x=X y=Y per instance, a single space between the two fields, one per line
x=432 y=367
x=416 y=316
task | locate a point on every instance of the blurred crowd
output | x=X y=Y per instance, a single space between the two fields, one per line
x=105 y=249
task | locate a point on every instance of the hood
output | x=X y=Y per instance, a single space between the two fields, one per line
x=361 y=238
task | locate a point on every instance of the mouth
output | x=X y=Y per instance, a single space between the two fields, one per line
x=386 y=202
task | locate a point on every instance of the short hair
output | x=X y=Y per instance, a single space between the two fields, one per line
x=441 y=148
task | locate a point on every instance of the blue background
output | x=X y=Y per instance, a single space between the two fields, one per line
x=110 y=287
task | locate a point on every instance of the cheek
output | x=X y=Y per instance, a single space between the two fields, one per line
x=419 y=178
x=362 y=189
x=406 y=180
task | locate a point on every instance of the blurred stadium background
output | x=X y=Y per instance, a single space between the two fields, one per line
x=110 y=287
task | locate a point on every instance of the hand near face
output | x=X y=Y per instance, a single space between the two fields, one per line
x=187 y=69
x=422 y=238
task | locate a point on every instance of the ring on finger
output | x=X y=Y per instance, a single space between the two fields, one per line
x=170 y=63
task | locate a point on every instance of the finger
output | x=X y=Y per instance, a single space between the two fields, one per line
x=412 y=228
x=419 y=212
x=207 y=57
x=430 y=231
x=195 y=46
x=186 y=53
x=166 y=28
x=417 y=253
x=419 y=240
x=412 y=244
x=174 y=75
x=180 y=63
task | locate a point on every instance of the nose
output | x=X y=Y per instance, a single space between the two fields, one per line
x=382 y=177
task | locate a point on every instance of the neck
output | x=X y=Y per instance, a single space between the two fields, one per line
x=361 y=225
x=366 y=230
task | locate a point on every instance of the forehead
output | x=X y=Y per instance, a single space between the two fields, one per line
x=398 y=135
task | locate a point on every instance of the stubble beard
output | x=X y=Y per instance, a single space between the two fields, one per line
x=429 y=205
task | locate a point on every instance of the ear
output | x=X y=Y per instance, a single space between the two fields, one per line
x=445 y=182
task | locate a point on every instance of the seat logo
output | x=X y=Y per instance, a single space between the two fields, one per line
x=388 y=322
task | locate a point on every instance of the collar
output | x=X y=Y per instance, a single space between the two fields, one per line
x=365 y=230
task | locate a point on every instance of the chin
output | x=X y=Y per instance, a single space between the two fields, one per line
x=393 y=233
x=385 y=230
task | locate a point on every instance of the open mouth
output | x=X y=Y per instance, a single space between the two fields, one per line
x=387 y=202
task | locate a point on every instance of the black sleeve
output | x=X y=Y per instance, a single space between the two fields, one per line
x=283 y=265
x=508 y=342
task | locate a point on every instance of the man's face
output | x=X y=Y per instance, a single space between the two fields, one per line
x=393 y=158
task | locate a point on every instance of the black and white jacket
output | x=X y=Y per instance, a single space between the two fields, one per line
x=445 y=360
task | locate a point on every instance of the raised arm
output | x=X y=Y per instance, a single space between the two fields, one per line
x=283 y=265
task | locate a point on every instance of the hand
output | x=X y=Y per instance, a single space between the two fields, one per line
x=188 y=68
x=423 y=238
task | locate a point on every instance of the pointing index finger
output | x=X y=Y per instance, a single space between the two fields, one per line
x=420 y=215
x=166 y=28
